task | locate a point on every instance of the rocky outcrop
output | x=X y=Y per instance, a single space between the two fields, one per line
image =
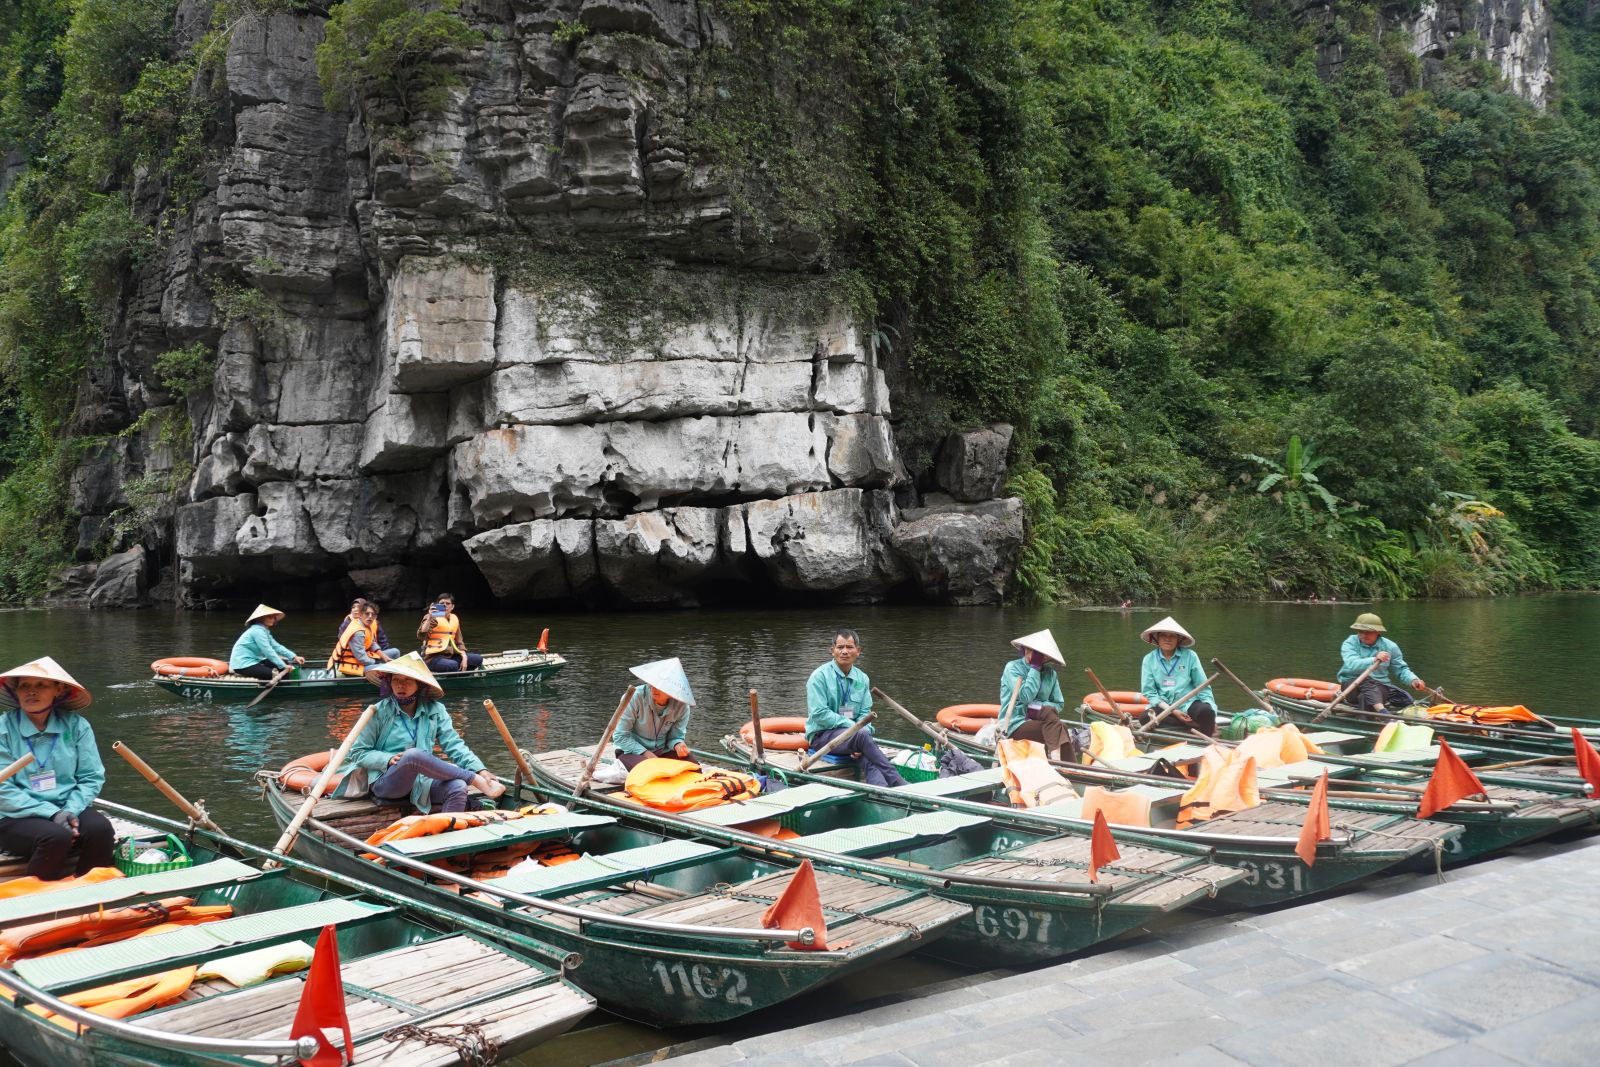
x=961 y=553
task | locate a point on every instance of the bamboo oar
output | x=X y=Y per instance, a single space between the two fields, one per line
x=1098 y=684
x=599 y=749
x=15 y=767
x=1003 y=724
x=193 y=811
x=1351 y=688
x=292 y=831
x=856 y=727
x=277 y=676
x=1173 y=706
x=1223 y=667
x=938 y=736
x=505 y=735
x=1527 y=762
x=755 y=726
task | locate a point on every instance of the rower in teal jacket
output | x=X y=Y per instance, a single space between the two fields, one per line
x=257 y=654
x=838 y=693
x=1364 y=648
x=1030 y=696
x=656 y=721
x=1172 y=670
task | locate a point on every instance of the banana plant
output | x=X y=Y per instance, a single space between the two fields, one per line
x=1294 y=481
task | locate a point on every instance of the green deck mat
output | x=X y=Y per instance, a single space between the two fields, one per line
x=956 y=783
x=84 y=897
x=772 y=805
x=913 y=831
x=592 y=871
x=497 y=834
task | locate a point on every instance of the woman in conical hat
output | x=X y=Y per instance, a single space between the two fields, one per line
x=1172 y=670
x=656 y=720
x=1030 y=696
x=45 y=807
x=1366 y=646
x=396 y=750
x=257 y=654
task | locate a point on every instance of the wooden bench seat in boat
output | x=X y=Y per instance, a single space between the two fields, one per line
x=86 y=897
x=912 y=831
x=591 y=871
x=191 y=944
x=955 y=784
x=772 y=805
x=495 y=835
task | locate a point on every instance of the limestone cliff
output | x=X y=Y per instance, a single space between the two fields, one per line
x=427 y=369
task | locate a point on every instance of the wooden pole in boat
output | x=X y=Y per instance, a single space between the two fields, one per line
x=1351 y=688
x=15 y=767
x=1223 y=667
x=525 y=771
x=938 y=736
x=1002 y=726
x=194 y=811
x=1098 y=684
x=599 y=749
x=1173 y=706
x=277 y=676
x=856 y=727
x=292 y=831
x=1530 y=762
x=755 y=728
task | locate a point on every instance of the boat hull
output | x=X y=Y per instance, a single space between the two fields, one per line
x=322 y=684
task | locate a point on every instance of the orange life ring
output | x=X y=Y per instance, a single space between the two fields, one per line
x=782 y=733
x=190 y=667
x=968 y=718
x=300 y=774
x=1303 y=689
x=1123 y=702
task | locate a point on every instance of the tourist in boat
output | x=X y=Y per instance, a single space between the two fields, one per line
x=396 y=749
x=359 y=646
x=46 y=807
x=1031 y=690
x=388 y=649
x=257 y=654
x=358 y=608
x=656 y=720
x=837 y=694
x=1172 y=670
x=443 y=645
x=1365 y=647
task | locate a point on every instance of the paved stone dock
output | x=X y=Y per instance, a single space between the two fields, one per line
x=1499 y=964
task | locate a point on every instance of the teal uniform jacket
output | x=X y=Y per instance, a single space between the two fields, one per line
x=1358 y=657
x=391 y=732
x=647 y=728
x=834 y=699
x=1166 y=679
x=1038 y=686
x=255 y=645
x=65 y=747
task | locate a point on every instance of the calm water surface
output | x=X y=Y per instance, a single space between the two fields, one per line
x=1531 y=650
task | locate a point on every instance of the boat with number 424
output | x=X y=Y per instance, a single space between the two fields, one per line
x=194 y=952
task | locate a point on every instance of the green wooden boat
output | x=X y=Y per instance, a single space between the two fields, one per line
x=518 y=669
x=1260 y=841
x=669 y=929
x=412 y=972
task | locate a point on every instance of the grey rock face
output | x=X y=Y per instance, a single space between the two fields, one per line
x=972 y=466
x=962 y=553
x=121 y=581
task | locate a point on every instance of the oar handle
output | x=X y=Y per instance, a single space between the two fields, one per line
x=855 y=728
x=16 y=766
x=599 y=748
x=755 y=727
x=1223 y=667
x=1003 y=727
x=511 y=745
x=178 y=799
x=894 y=705
x=1351 y=688
x=1174 y=705
x=292 y=831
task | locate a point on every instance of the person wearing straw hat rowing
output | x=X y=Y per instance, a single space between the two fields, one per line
x=1366 y=646
x=656 y=721
x=1036 y=707
x=1172 y=670
x=396 y=749
x=257 y=654
x=46 y=806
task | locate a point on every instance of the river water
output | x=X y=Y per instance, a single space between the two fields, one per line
x=1531 y=650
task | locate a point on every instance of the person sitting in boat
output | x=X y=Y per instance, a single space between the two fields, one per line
x=443 y=646
x=837 y=694
x=257 y=654
x=358 y=608
x=46 y=806
x=1364 y=648
x=359 y=646
x=1172 y=670
x=1031 y=690
x=396 y=749
x=656 y=720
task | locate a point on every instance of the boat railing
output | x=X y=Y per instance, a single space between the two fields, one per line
x=805 y=935
x=294 y=1049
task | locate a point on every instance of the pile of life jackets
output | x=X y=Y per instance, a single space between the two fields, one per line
x=1028 y=775
x=494 y=863
x=678 y=785
x=1481 y=716
x=1226 y=784
x=1277 y=746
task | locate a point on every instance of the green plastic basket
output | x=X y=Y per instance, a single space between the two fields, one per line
x=170 y=844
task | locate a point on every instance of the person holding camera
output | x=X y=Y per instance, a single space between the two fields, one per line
x=443 y=646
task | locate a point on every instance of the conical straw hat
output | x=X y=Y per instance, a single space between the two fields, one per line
x=1169 y=625
x=666 y=675
x=51 y=671
x=261 y=612
x=410 y=665
x=1043 y=642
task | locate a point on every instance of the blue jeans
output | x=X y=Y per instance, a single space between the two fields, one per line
x=875 y=766
x=451 y=663
x=449 y=789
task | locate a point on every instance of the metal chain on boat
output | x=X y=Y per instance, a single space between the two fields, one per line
x=476 y=1048
x=727 y=892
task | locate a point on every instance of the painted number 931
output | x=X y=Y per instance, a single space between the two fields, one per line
x=704 y=981
x=1273 y=875
x=1016 y=924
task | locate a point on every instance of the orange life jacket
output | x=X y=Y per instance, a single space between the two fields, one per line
x=1031 y=780
x=343 y=657
x=1222 y=788
x=21 y=887
x=1124 y=807
x=1474 y=714
x=676 y=785
x=444 y=637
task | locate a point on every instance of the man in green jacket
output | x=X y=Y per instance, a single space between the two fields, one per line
x=1364 y=648
x=837 y=694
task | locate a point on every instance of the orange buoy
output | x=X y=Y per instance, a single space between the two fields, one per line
x=190 y=667
x=968 y=718
x=301 y=774
x=1123 y=702
x=785 y=733
x=1303 y=689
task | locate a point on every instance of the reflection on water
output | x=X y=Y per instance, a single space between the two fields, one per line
x=1530 y=650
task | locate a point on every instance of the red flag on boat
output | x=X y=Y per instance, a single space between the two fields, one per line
x=1588 y=759
x=1317 y=826
x=1452 y=781
x=1102 y=846
x=322 y=1005
x=799 y=906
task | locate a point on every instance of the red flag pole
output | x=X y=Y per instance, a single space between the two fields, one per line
x=1318 y=826
x=1102 y=846
x=322 y=1005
